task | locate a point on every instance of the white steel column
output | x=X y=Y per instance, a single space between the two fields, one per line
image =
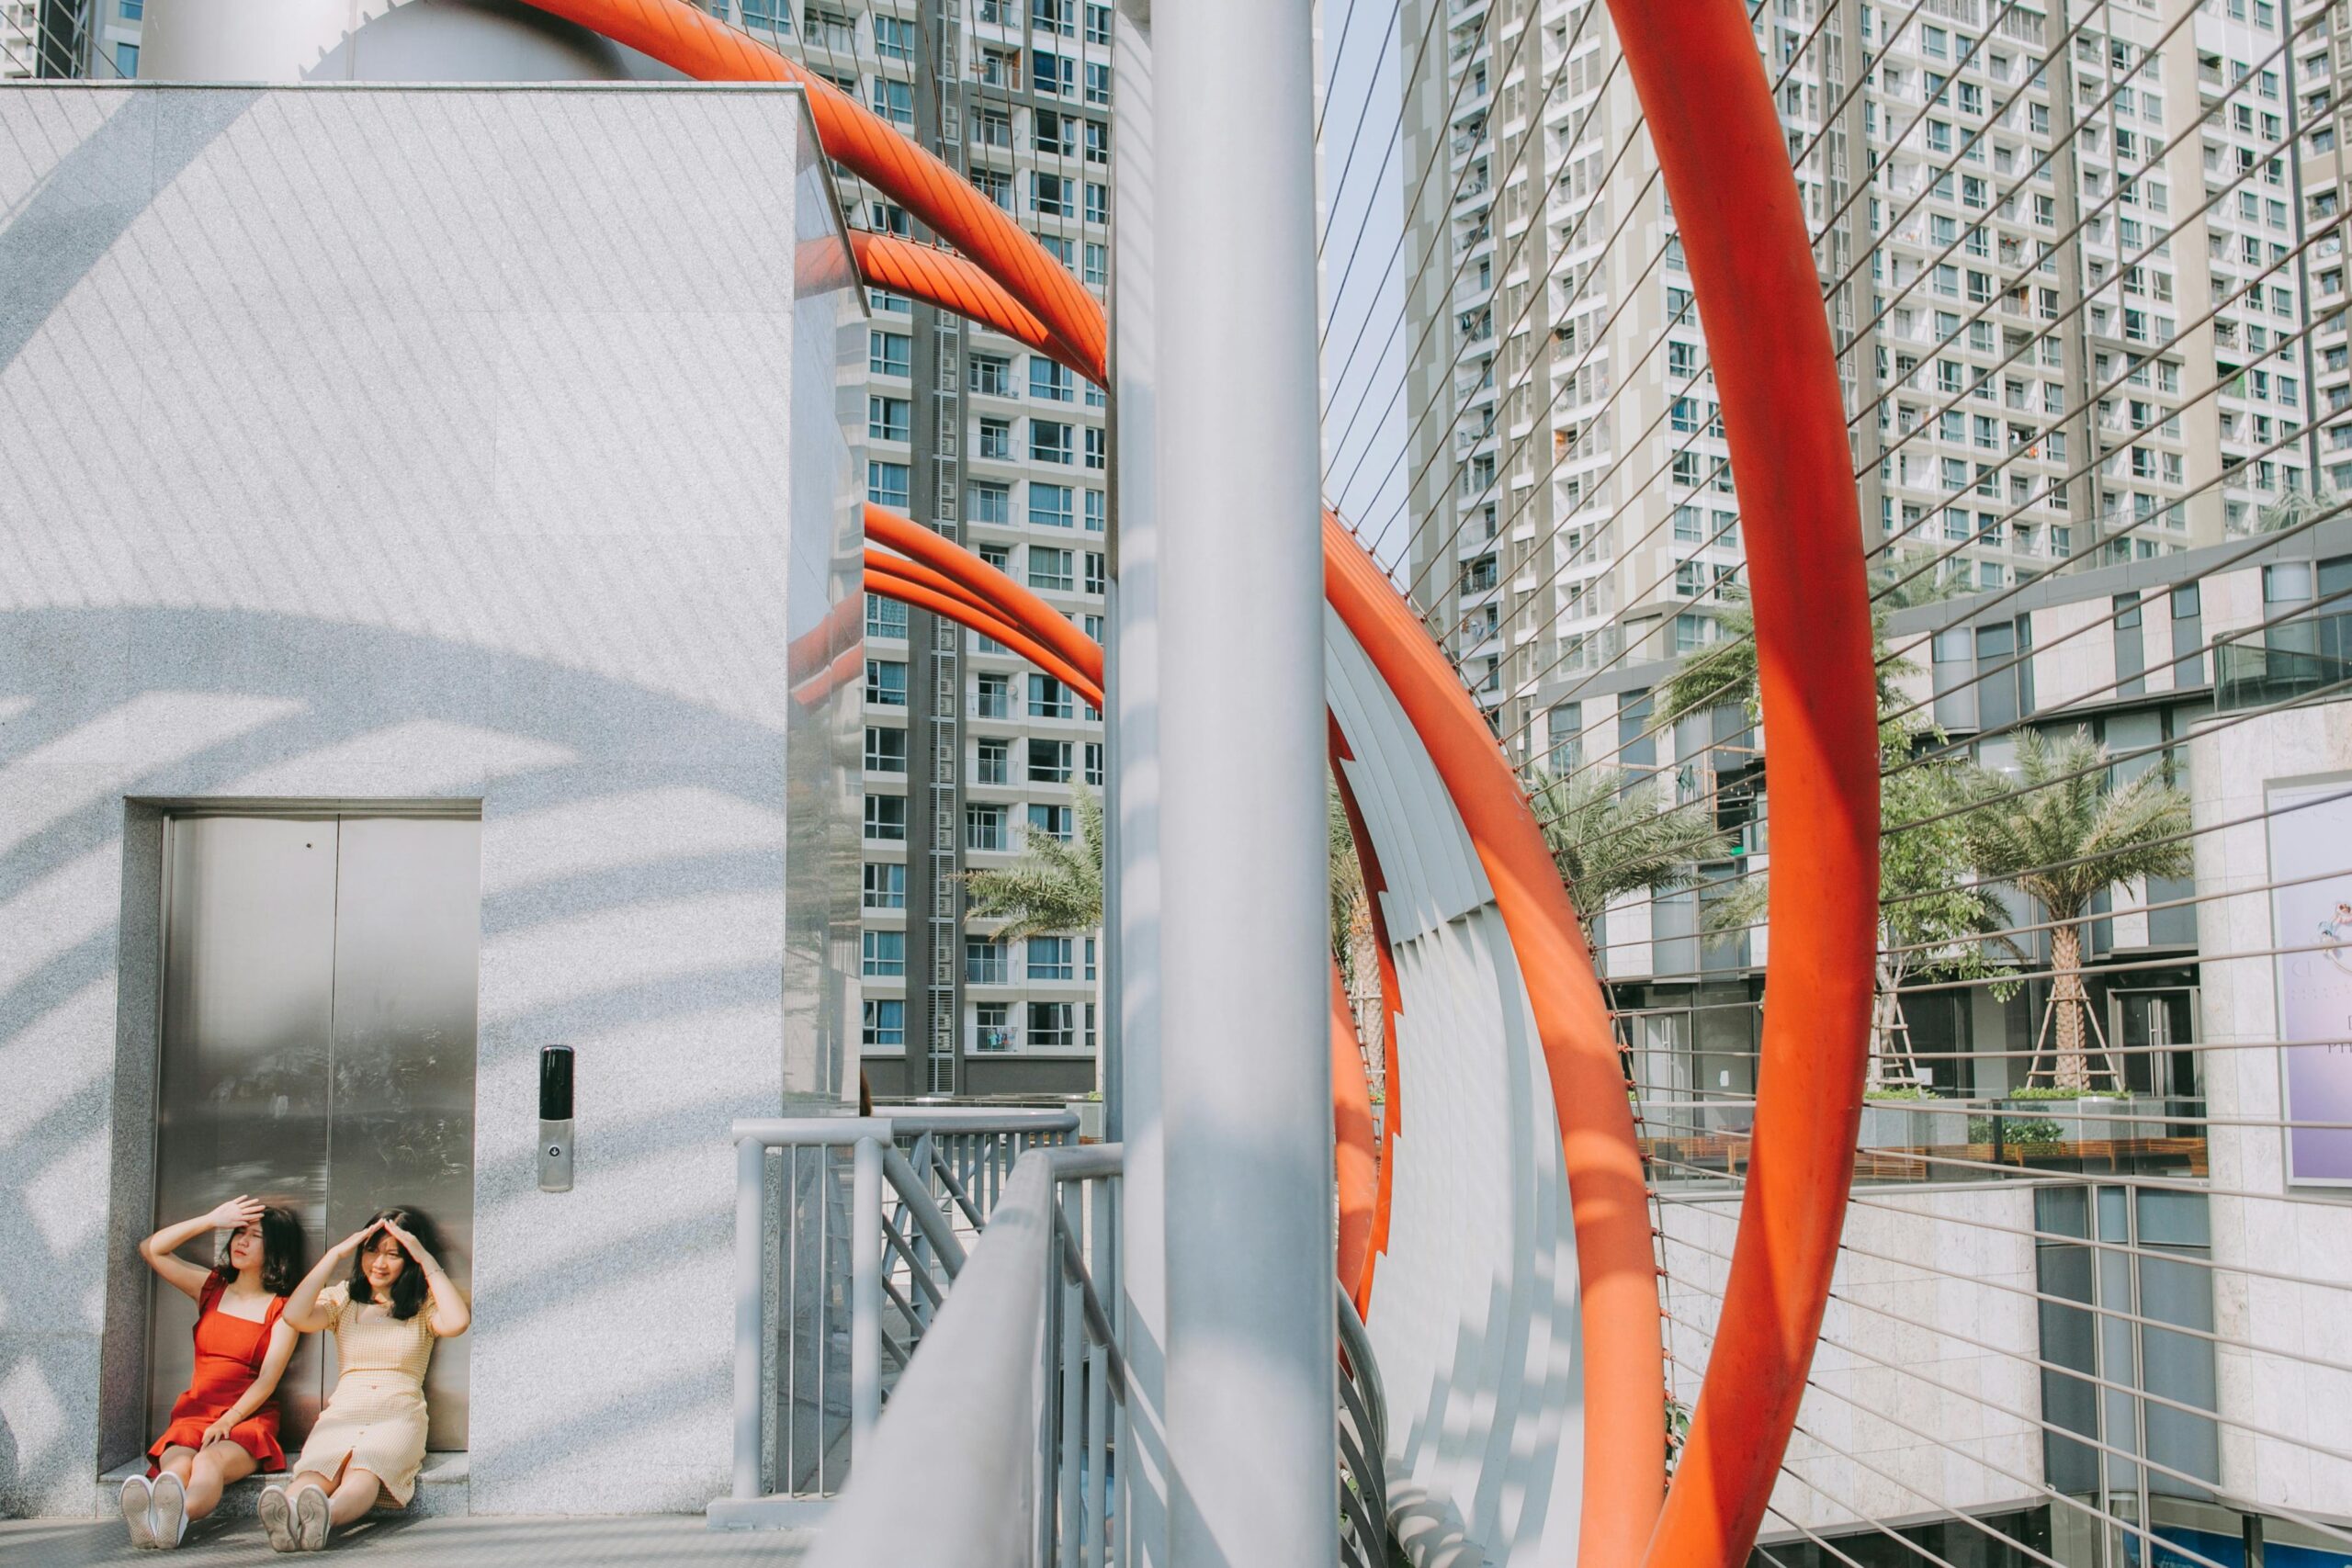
x=1131 y=881
x=1244 y=949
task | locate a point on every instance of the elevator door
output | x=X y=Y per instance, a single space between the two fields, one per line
x=317 y=1050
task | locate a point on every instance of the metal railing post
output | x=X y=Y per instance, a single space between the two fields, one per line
x=865 y=1294
x=751 y=1359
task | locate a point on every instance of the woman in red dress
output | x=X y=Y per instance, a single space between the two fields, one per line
x=225 y=1427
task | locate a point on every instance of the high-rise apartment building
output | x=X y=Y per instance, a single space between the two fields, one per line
x=968 y=751
x=2046 y=236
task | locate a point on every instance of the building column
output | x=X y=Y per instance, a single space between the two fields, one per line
x=1243 y=946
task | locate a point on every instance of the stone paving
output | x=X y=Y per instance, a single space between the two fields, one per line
x=486 y=1542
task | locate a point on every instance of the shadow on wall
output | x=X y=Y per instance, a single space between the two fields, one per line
x=610 y=807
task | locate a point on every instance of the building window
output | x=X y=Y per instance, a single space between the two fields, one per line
x=2187 y=635
x=1053 y=821
x=126 y=61
x=885 y=955
x=1049 y=1024
x=1050 y=569
x=884 y=617
x=889 y=354
x=885 y=886
x=1049 y=441
x=885 y=1023
x=993 y=761
x=1049 y=505
x=996 y=439
x=894 y=38
x=984 y=827
x=889 y=419
x=894 y=101
x=2130 y=649
x=992 y=504
x=885 y=819
x=1048 y=698
x=1049 y=762
x=1097 y=447
x=992 y=1026
x=993 y=696
x=1095 y=763
x=886 y=750
x=889 y=484
x=985 y=962
x=1052 y=382
x=1098 y=84
x=1094 y=512
x=990 y=376
x=1097 y=580
x=1051 y=73
x=1563 y=726
x=1049 y=196
x=1049 y=958
x=886 y=683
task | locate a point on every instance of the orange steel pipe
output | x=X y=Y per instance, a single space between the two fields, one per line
x=889 y=585
x=947 y=280
x=1725 y=161
x=1017 y=604
x=938 y=581
x=708 y=49
x=1375 y=884
x=1355 y=1162
x=1624 y=1354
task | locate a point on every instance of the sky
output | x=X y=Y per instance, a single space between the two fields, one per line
x=1363 y=197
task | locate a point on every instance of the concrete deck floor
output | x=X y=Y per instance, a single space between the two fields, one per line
x=623 y=1541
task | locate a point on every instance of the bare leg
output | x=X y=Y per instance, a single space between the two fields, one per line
x=176 y=1461
x=211 y=1472
x=355 y=1496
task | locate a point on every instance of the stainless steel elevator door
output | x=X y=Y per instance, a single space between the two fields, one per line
x=318 y=1028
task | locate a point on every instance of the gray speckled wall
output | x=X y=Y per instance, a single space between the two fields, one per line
x=427 y=444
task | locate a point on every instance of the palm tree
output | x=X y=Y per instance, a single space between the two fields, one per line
x=1056 y=885
x=1611 y=837
x=2059 y=834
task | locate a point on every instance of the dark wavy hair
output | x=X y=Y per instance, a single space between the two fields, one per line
x=407 y=1291
x=282 y=1251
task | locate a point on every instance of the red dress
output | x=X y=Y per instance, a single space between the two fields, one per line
x=229 y=1354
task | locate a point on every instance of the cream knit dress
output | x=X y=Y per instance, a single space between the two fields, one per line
x=374 y=1420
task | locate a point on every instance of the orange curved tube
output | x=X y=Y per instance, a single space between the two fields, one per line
x=1624 y=1354
x=708 y=49
x=1355 y=1161
x=1018 y=604
x=889 y=585
x=947 y=280
x=1725 y=162
x=937 y=582
x=1375 y=882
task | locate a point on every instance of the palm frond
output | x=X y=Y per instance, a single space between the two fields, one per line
x=1056 y=886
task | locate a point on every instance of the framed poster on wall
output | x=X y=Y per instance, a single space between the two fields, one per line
x=2311 y=914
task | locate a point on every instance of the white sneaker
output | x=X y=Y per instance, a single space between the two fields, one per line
x=312 y=1520
x=278 y=1518
x=138 y=1501
x=170 y=1517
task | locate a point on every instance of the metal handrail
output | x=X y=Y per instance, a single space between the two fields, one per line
x=1003 y=1371
x=796 y=1304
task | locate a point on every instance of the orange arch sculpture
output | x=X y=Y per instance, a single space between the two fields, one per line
x=1726 y=170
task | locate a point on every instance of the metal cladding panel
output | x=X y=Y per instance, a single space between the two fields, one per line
x=1475 y=1306
x=1435 y=875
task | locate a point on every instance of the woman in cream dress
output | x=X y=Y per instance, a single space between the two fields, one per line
x=370 y=1437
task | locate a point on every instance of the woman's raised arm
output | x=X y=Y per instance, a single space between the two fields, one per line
x=181 y=1275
